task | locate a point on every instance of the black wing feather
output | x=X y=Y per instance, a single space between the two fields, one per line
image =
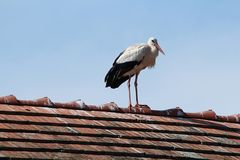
x=114 y=77
x=115 y=61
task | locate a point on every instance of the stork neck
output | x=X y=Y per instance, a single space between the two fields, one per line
x=154 y=49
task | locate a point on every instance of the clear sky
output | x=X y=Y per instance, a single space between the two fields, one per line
x=63 y=49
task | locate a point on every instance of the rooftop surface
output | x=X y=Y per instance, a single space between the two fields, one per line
x=42 y=129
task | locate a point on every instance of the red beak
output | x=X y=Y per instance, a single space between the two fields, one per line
x=160 y=49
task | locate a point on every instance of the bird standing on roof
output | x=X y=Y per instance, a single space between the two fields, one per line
x=130 y=62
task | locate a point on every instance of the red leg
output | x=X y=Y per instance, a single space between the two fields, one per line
x=129 y=94
x=136 y=91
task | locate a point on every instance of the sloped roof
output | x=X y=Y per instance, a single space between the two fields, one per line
x=41 y=129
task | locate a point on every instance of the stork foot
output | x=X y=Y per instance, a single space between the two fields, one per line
x=137 y=107
x=130 y=107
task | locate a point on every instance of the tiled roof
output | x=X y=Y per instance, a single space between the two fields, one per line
x=41 y=129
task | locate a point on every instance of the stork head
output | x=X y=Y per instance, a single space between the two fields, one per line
x=153 y=42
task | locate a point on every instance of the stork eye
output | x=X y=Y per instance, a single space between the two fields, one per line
x=153 y=41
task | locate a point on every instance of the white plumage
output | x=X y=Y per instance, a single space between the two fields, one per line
x=130 y=62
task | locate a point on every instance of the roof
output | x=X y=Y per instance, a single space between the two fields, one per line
x=42 y=129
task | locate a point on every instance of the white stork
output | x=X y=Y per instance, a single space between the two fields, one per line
x=130 y=62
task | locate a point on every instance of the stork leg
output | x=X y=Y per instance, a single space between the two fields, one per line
x=129 y=94
x=136 y=90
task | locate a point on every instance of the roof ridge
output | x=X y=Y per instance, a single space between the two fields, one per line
x=113 y=107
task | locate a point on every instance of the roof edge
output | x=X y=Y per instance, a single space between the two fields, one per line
x=113 y=107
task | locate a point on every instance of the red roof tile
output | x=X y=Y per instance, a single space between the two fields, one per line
x=42 y=129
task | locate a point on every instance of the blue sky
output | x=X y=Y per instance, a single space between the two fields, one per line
x=63 y=49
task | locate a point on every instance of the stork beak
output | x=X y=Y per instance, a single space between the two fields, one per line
x=160 y=49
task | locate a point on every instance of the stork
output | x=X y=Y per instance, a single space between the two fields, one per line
x=130 y=62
